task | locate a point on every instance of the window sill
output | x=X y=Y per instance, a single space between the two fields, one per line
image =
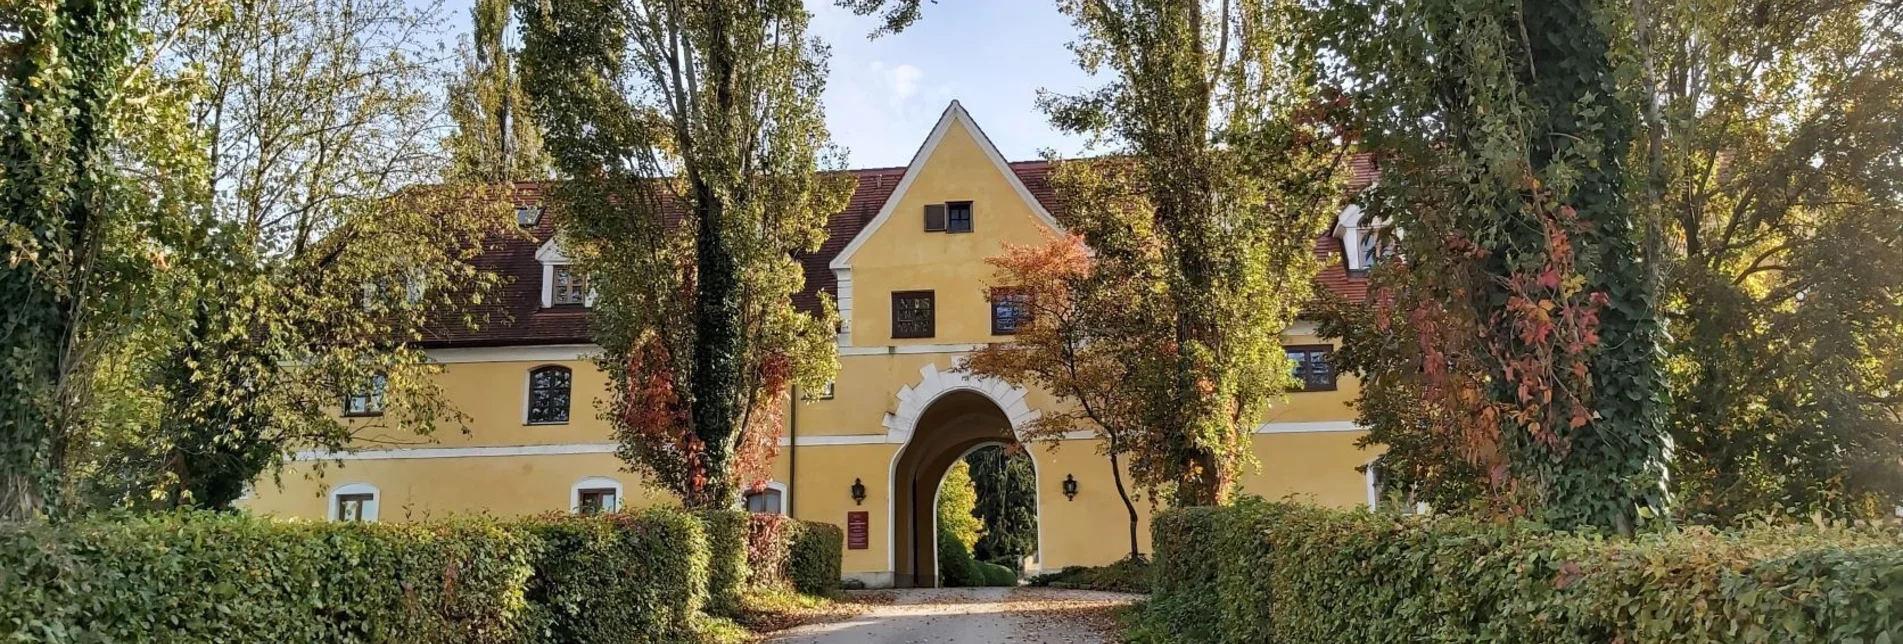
x=544 y=423
x=365 y=414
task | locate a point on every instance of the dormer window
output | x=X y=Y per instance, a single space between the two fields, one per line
x=570 y=288
x=526 y=216
x=1365 y=240
x=1372 y=246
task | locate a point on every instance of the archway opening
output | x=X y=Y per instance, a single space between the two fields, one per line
x=950 y=428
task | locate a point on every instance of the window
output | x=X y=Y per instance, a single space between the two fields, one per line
x=595 y=494
x=912 y=314
x=958 y=217
x=767 y=501
x=355 y=502
x=935 y=218
x=1373 y=247
x=596 y=500
x=1010 y=309
x=825 y=392
x=548 y=395
x=1311 y=367
x=570 y=288
x=369 y=401
x=528 y=215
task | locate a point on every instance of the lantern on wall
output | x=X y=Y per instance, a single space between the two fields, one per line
x=858 y=492
x=1070 y=487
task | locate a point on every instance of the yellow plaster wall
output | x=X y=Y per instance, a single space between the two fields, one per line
x=421 y=488
x=494 y=395
x=900 y=256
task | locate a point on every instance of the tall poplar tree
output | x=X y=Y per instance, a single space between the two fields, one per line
x=1528 y=315
x=697 y=148
x=57 y=213
x=1233 y=172
x=495 y=140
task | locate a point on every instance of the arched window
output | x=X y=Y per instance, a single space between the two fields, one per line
x=595 y=494
x=355 y=502
x=548 y=395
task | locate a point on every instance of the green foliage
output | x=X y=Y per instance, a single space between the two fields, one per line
x=995 y=575
x=698 y=176
x=1504 y=136
x=1222 y=168
x=58 y=219
x=1296 y=573
x=956 y=567
x=495 y=140
x=957 y=505
x=1125 y=576
x=818 y=551
x=1006 y=506
x=229 y=578
x=618 y=578
x=728 y=551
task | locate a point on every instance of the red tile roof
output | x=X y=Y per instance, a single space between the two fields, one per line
x=514 y=315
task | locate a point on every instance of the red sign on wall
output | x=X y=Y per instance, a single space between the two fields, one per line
x=856 y=531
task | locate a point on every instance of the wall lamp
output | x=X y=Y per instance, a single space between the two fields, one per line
x=858 y=492
x=1070 y=487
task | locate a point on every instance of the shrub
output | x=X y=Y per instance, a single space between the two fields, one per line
x=226 y=578
x=769 y=546
x=995 y=575
x=727 y=566
x=1291 y=573
x=956 y=567
x=619 y=578
x=1124 y=576
x=815 y=558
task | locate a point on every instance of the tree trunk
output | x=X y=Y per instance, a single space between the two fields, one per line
x=717 y=337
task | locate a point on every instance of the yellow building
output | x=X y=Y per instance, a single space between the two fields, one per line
x=906 y=262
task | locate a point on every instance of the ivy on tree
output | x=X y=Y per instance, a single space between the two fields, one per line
x=698 y=154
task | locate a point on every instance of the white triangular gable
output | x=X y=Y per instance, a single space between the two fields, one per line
x=955 y=115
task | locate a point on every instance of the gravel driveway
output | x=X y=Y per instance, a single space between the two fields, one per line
x=972 y=616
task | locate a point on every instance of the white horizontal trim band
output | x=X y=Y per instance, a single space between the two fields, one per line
x=909 y=349
x=540 y=353
x=563 y=449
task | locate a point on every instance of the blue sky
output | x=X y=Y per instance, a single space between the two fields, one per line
x=884 y=95
x=990 y=55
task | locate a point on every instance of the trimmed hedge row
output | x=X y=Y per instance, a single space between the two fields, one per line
x=226 y=578
x=1272 y=572
x=814 y=559
x=727 y=572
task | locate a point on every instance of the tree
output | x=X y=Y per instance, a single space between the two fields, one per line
x=1763 y=175
x=696 y=143
x=1775 y=146
x=958 y=505
x=1232 y=173
x=1079 y=340
x=313 y=262
x=1006 y=484
x=1538 y=342
x=57 y=120
x=494 y=140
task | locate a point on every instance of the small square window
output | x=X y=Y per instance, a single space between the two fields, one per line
x=912 y=314
x=368 y=402
x=1373 y=246
x=958 y=217
x=1010 y=309
x=526 y=216
x=1311 y=368
x=570 y=287
x=598 y=500
x=767 y=501
x=825 y=392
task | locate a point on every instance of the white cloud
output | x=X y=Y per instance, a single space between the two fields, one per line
x=904 y=81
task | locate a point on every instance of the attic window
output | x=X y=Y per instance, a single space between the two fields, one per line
x=570 y=287
x=958 y=217
x=526 y=216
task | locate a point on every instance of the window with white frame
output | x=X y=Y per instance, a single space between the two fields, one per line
x=354 y=502
x=549 y=395
x=368 y=400
x=595 y=495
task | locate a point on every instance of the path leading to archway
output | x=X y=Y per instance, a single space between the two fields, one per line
x=972 y=616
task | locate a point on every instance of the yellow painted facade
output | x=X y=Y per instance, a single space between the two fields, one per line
x=883 y=403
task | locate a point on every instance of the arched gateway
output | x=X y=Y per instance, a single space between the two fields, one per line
x=943 y=418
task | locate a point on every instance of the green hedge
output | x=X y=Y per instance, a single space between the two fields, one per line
x=1263 y=572
x=814 y=560
x=996 y=575
x=619 y=578
x=727 y=564
x=227 y=578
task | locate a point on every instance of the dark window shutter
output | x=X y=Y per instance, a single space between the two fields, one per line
x=935 y=218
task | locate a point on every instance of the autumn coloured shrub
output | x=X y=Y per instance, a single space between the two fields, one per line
x=1259 y=572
